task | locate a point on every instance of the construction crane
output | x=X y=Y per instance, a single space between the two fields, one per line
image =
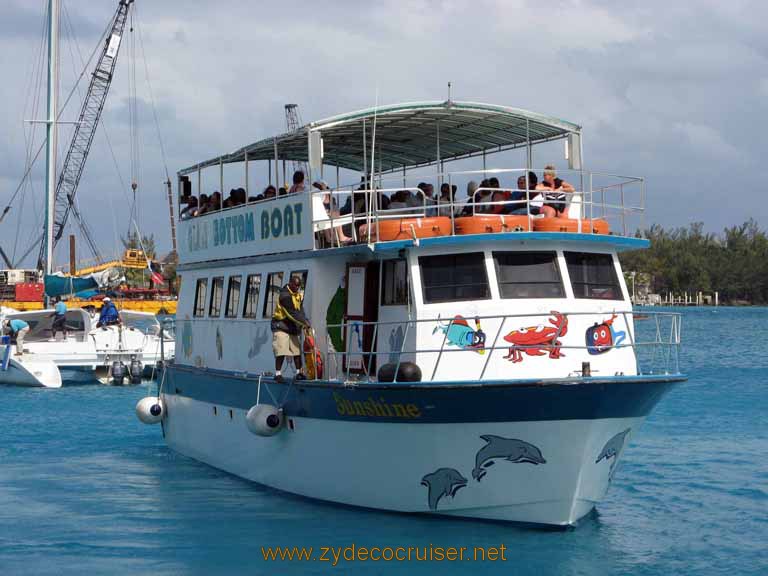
x=85 y=130
x=293 y=123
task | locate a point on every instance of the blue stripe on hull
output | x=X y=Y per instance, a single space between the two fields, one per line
x=573 y=399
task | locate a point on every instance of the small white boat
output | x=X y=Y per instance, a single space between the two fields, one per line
x=28 y=370
x=90 y=352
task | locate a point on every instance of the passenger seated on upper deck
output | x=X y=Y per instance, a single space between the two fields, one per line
x=231 y=200
x=240 y=196
x=429 y=202
x=282 y=191
x=398 y=200
x=270 y=192
x=191 y=210
x=482 y=197
x=214 y=202
x=298 y=182
x=525 y=202
x=446 y=201
x=331 y=212
x=466 y=208
x=499 y=205
x=554 y=192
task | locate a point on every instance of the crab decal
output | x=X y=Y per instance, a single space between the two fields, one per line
x=537 y=340
x=459 y=333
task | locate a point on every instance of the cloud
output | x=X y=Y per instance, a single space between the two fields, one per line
x=658 y=87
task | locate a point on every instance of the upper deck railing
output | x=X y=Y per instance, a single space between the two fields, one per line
x=597 y=203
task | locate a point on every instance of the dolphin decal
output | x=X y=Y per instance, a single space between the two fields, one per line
x=510 y=449
x=612 y=449
x=259 y=339
x=442 y=482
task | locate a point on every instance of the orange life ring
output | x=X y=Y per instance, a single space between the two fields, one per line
x=490 y=223
x=405 y=228
x=595 y=226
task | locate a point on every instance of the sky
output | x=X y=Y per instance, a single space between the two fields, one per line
x=676 y=92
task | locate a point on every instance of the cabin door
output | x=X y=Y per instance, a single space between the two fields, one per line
x=361 y=311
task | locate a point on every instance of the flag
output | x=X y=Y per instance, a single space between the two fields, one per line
x=156 y=277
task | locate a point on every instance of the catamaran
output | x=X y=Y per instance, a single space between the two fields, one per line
x=472 y=358
x=118 y=350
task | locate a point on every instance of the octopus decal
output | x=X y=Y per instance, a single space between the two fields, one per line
x=459 y=333
x=602 y=337
x=538 y=340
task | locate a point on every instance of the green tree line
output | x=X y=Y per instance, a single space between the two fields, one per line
x=734 y=263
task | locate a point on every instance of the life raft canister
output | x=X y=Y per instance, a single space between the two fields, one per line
x=406 y=228
x=595 y=226
x=491 y=223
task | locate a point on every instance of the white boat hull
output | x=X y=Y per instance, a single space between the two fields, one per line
x=434 y=468
x=31 y=372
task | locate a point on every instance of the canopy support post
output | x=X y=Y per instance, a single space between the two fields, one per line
x=365 y=156
x=528 y=149
x=277 y=164
x=439 y=162
x=221 y=178
x=247 y=192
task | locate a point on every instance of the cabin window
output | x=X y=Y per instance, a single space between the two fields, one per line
x=274 y=283
x=593 y=276
x=394 y=282
x=528 y=275
x=200 y=292
x=454 y=277
x=252 y=286
x=217 y=287
x=233 y=296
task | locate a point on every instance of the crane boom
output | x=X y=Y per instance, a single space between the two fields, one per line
x=85 y=130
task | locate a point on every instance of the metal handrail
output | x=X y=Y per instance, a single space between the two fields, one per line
x=669 y=346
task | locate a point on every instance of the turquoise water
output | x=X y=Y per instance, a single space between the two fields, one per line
x=86 y=489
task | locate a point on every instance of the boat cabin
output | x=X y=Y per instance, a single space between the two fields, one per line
x=426 y=251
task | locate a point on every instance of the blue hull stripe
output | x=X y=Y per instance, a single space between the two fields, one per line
x=522 y=401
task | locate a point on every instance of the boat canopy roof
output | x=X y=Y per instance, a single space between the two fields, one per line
x=408 y=135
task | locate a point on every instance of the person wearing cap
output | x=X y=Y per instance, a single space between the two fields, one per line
x=17 y=329
x=108 y=314
x=288 y=320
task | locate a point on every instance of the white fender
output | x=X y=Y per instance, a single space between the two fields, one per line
x=264 y=420
x=150 y=410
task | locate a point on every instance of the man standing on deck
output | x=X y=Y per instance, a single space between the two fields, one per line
x=59 y=319
x=19 y=329
x=288 y=320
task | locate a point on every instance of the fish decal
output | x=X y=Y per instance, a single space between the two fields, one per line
x=602 y=337
x=219 y=344
x=442 y=482
x=459 y=333
x=612 y=450
x=538 y=340
x=510 y=449
x=259 y=339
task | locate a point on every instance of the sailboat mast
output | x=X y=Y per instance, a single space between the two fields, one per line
x=51 y=132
